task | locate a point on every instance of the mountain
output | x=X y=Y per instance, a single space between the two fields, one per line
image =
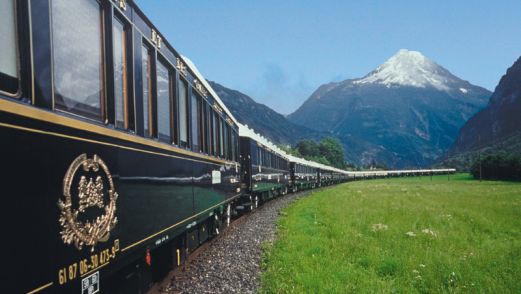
x=496 y=127
x=263 y=119
x=405 y=113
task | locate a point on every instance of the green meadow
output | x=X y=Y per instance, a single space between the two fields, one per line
x=405 y=235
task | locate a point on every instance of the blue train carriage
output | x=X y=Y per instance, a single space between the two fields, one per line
x=304 y=174
x=329 y=175
x=120 y=158
x=339 y=176
x=265 y=168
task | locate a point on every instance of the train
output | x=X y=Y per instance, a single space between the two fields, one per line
x=120 y=158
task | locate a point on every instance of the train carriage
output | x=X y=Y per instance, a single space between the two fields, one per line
x=304 y=174
x=120 y=158
x=265 y=168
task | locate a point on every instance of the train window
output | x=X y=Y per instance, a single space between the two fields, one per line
x=77 y=57
x=183 y=113
x=196 y=136
x=228 y=141
x=204 y=126
x=146 y=62
x=201 y=120
x=232 y=143
x=9 y=76
x=237 y=148
x=225 y=141
x=221 y=138
x=255 y=155
x=209 y=130
x=119 y=40
x=217 y=126
x=163 y=103
x=214 y=134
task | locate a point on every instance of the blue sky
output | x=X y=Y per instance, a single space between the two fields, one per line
x=279 y=52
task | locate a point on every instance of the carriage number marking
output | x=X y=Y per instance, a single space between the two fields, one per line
x=87 y=265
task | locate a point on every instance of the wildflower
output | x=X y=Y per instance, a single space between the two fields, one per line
x=429 y=232
x=422 y=265
x=416 y=272
x=378 y=227
x=410 y=234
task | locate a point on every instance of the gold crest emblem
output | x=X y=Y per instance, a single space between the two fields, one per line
x=90 y=193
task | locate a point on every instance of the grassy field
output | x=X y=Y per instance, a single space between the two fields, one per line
x=400 y=235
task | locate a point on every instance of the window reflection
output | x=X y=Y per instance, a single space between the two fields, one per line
x=221 y=139
x=8 y=47
x=77 y=56
x=215 y=134
x=183 y=113
x=163 y=102
x=147 y=90
x=195 y=122
x=120 y=74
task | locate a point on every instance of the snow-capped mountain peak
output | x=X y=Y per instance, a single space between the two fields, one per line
x=410 y=68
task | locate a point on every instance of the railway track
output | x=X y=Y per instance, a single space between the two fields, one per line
x=227 y=264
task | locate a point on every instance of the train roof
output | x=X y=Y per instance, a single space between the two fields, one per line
x=201 y=78
x=245 y=131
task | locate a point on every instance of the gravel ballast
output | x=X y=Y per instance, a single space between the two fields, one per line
x=231 y=263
